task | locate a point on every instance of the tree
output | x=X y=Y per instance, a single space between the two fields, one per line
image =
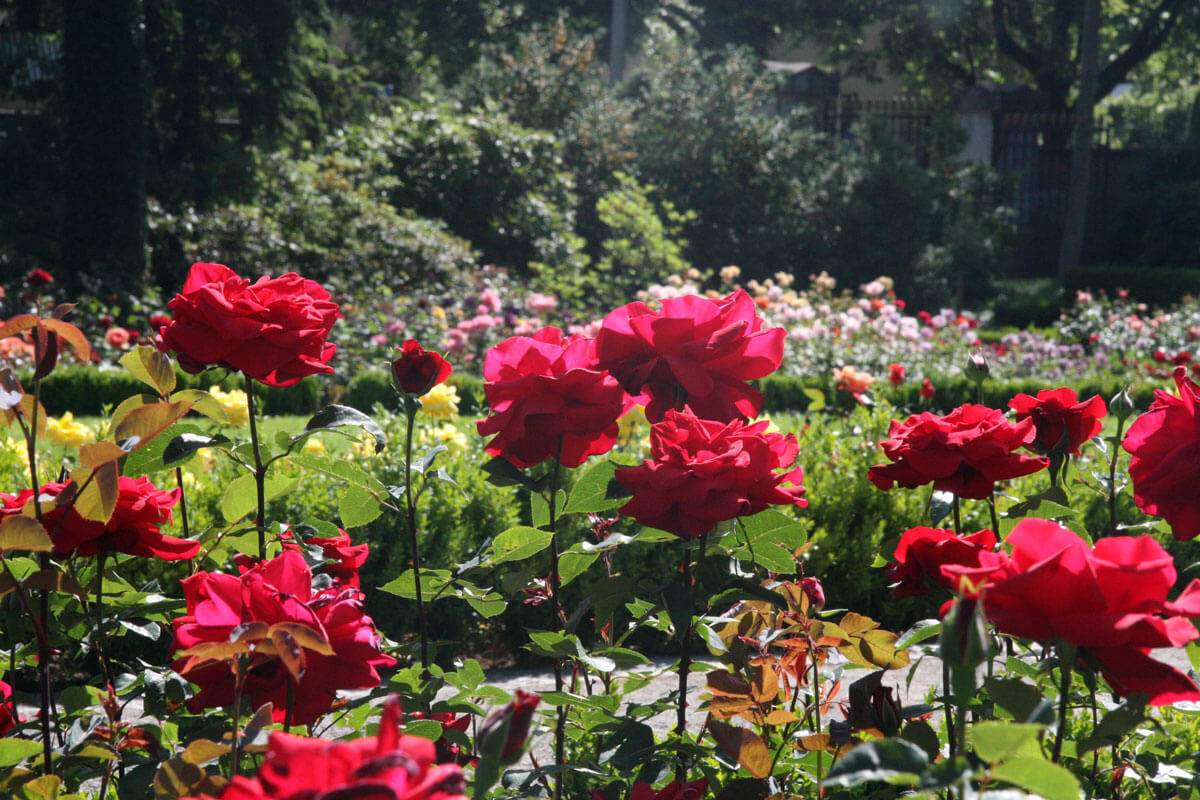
x=942 y=46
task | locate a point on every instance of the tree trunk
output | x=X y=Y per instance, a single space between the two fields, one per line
x=104 y=144
x=1075 y=223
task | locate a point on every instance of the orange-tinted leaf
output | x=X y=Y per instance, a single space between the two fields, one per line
x=52 y=580
x=179 y=778
x=211 y=651
x=305 y=636
x=203 y=403
x=201 y=750
x=853 y=623
x=24 y=533
x=14 y=325
x=744 y=746
x=7 y=584
x=150 y=367
x=72 y=336
x=96 y=453
x=781 y=717
x=142 y=424
x=724 y=683
x=97 y=491
x=45 y=351
x=289 y=651
x=766 y=685
x=129 y=404
x=250 y=632
x=726 y=707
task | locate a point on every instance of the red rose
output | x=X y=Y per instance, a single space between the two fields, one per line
x=387 y=766
x=133 y=528
x=922 y=554
x=274 y=330
x=344 y=559
x=8 y=719
x=1060 y=421
x=418 y=370
x=1111 y=600
x=545 y=390
x=502 y=735
x=927 y=389
x=1165 y=468
x=703 y=472
x=896 y=374
x=695 y=352
x=672 y=791
x=964 y=452
x=39 y=277
x=279 y=590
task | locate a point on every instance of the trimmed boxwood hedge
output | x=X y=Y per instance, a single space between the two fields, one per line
x=1161 y=287
x=83 y=389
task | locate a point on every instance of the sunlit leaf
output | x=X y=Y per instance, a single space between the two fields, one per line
x=151 y=367
x=24 y=533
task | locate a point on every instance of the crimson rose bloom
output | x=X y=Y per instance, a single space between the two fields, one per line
x=544 y=389
x=344 y=558
x=923 y=552
x=274 y=330
x=695 y=352
x=1111 y=600
x=279 y=590
x=418 y=370
x=384 y=767
x=703 y=472
x=133 y=528
x=1165 y=468
x=502 y=735
x=964 y=452
x=1061 y=422
x=7 y=720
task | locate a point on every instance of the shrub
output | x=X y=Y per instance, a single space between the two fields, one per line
x=1159 y=287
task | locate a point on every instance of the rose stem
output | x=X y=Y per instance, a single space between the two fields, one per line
x=685 y=658
x=260 y=472
x=1112 y=477
x=951 y=740
x=44 y=610
x=410 y=415
x=183 y=514
x=560 y=724
x=238 y=685
x=291 y=702
x=101 y=641
x=1064 y=694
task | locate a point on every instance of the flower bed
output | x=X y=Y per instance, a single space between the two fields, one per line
x=182 y=559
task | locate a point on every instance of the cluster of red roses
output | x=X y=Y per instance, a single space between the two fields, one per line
x=688 y=362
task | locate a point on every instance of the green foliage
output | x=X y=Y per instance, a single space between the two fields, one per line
x=320 y=216
x=1020 y=303
x=1156 y=221
x=498 y=185
x=641 y=247
x=373 y=386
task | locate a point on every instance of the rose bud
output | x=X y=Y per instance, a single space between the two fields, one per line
x=417 y=370
x=502 y=735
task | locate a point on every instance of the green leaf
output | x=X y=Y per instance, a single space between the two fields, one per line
x=185 y=445
x=521 y=542
x=424 y=728
x=1037 y=775
x=335 y=416
x=772 y=558
x=357 y=507
x=678 y=601
x=433 y=581
x=486 y=604
x=1113 y=728
x=919 y=632
x=553 y=644
x=203 y=403
x=996 y=741
x=596 y=662
x=891 y=760
x=590 y=494
x=151 y=367
x=148 y=459
x=24 y=533
x=241 y=496
x=1013 y=695
x=14 y=751
x=539 y=509
x=816 y=399
x=501 y=472
x=339 y=468
x=774 y=527
x=572 y=564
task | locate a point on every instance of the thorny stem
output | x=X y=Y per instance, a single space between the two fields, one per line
x=260 y=472
x=410 y=415
x=991 y=501
x=560 y=724
x=239 y=684
x=816 y=684
x=685 y=659
x=1064 y=694
x=1112 y=478
x=183 y=513
x=101 y=640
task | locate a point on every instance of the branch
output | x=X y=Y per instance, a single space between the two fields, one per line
x=1010 y=46
x=1145 y=43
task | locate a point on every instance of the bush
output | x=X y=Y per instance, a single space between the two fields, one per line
x=1021 y=303
x=497 y=184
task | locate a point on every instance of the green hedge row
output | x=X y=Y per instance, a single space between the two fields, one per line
x=86 y=390
x=1155 y=286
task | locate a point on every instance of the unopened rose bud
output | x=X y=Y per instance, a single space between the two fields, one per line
x=502 y=735
x=964 y=640
x=977 y=367
x=417 y=370
x=1121 y=406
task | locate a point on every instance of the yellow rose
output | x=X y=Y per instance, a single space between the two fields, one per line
x=235 y=403
x=66 y=432
x=441 y=402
